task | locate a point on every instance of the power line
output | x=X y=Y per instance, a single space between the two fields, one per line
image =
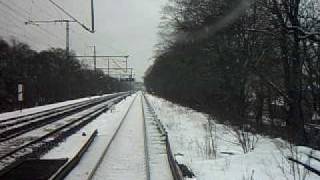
x=55 y=9
x=44 y=10
x=79 y=35
x=22 y=16
x=15 y=22
x=75 y=19
x=14 y=4
x=67 y=23
x=19 y=15
x=22 y=36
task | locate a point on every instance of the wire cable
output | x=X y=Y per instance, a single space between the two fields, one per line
x=72 y=17
x=11 y=19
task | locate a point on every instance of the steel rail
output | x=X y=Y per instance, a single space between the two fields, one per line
x=175 y=169
x=67 y=168
x=146 y=149
x=59 y=132
x=48 y=110
x=23 y=126
x=95 y=168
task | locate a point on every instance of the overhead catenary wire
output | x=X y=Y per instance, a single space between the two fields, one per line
x=45 y=11
x=19 y=16
x=76 y=35
x=15 y=13
x=20 y=8
x=12 y=20
x=72 y=17
x=17 y=34
x=28 y=32
x=23 y=16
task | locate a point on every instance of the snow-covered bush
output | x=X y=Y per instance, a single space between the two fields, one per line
x=290 y=169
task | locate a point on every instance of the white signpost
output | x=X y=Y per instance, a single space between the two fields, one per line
x=20 y=95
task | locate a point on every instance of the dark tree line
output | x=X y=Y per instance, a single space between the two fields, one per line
x=48 y=77
x=253 y=62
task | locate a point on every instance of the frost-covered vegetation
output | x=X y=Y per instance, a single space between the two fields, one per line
x=253 y=64
x=189 y=136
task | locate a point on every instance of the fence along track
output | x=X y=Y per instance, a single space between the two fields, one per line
x=175 y=169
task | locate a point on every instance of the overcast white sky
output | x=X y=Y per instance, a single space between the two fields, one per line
x=130 y=26
x=122 y=27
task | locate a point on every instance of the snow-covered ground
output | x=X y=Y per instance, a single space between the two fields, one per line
x=106 y=124
x=125 y=159
x=43 y=108
x=190 y=142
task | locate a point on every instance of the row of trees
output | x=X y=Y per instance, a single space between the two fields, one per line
x=245 y=62
x=48 y=76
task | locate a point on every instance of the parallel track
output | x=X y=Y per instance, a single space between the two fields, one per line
x=110 y=150
x=14 y=127
x=63 y=122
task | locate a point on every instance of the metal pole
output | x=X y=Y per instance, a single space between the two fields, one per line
x=67 y=31
x=131 y=81
x=67 y=38
x=126 y=64
x=95 y=58
x=108 y=66
x=70 y=16
x=92 y=16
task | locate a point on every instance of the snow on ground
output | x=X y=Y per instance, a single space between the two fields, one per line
x=106 y=125
x=43 y=108
x=125 y=159
x=189 y=139
x=159 y=166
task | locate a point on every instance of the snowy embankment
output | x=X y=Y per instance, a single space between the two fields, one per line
x=217 y=154
x=106 y=124
x=44 y=107
x=37 y=109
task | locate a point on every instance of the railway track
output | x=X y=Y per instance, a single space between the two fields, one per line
x=31 y=135
x=136 y=150
x=136 y=147
x=10 y=128
x=106 y=152
x=161 y=137
x=119 y=154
